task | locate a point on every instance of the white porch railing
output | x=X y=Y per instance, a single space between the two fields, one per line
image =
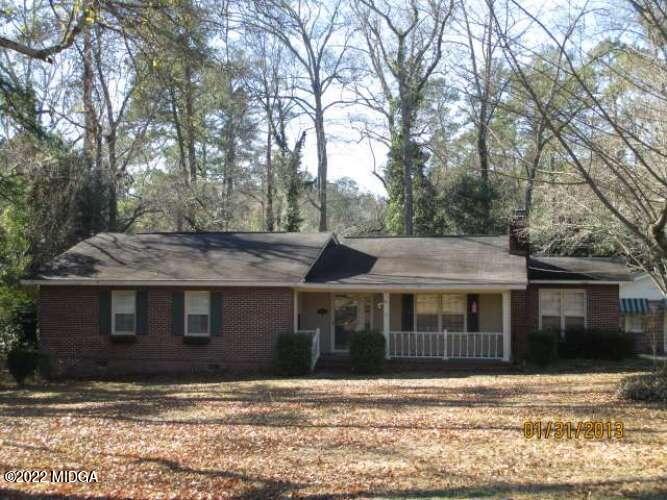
x=446 y=345
x=314 y=346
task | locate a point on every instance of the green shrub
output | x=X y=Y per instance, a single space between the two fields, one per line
x=293 y=354
x=595 y=344
x=575 y=343
x=612 y=345
x=542 y=347
x=22 y=362
x=45 y=366
x=367 y=352
x=648 y=387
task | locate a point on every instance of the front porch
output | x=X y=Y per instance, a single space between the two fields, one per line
x=436 y=325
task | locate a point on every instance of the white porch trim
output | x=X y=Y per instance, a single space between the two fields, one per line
x=386 y=318
x=507 y=326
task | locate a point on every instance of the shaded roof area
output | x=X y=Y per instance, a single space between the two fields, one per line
x=437 y=261
x=238 y=257
x=578 y=268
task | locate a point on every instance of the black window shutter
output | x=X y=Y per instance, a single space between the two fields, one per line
x=216 y=313
x=104 y=313
x=142 y=312
x=473 y=312
x=177 y=313
x=408 y=309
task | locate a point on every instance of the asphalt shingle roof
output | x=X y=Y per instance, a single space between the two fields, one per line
x=437 y=261
x=233 y=257
x=577 y=268
x=291 y=258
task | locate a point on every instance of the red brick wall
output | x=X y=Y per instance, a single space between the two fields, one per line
x=251 y=318
x=602 y=312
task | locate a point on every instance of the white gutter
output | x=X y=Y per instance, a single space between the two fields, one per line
x=295 y=285
x=407 y=288
x=194 y=283
x=576 y=282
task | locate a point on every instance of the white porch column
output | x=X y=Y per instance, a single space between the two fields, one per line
x=507 y=325
x=296 y=310
x=385 y=321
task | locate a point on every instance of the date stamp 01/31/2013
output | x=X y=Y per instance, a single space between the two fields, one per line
x=588 y=429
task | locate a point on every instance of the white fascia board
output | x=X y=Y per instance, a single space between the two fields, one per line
x=192 y=283
x=576 y=282
x=496 y=287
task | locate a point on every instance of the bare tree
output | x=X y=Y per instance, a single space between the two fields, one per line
x=404 y=45
x=489 y=81
x=318 y=37
x=617 y=147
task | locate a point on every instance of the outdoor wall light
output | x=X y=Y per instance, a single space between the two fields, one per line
x=322 y=311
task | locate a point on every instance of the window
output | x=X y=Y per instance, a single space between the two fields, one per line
x=562 y=309
x=197 y=313
x=440 y=312
x=123 y=312
x=633 y=323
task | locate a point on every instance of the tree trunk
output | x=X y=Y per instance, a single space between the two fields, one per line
x=269 y=183
x=406 y=158
x=113 y=178
x=89 y=116
x=190 y=123
x=483 y=153
x=321 y=160
x=230 y=163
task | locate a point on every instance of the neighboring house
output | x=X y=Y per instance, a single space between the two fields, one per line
x=643 y=315
x=165 y=302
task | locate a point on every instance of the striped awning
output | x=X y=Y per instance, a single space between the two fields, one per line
x=634 y=306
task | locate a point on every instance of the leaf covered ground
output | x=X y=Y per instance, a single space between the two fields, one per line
x=452 y=435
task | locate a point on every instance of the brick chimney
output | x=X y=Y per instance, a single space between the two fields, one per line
x=519 y=244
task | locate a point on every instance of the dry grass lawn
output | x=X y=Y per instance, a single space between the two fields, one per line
x=456 y=435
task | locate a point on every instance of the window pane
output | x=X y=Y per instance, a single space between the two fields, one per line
x=198 y=323
x=575 y=322
x=550 y=303
x=197 y=302
x=427 y=322
x=453 y=304
x=428 y=304
x=575 y=303
x=634 y=322
x=551 y=323
x=453 y=322
x=124 y=323
x=428 y=307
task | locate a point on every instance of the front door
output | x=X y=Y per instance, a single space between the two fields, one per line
x=351 y=314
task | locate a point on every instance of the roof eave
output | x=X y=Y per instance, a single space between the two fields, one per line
x=173 y=282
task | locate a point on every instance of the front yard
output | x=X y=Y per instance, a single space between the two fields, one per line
x=458 y=435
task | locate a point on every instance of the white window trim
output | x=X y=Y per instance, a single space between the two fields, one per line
x=186 y=311
x=563 y=291
x=115 y=293
x=441 y=310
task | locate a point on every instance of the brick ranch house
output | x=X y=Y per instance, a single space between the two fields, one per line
x=170 y=302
